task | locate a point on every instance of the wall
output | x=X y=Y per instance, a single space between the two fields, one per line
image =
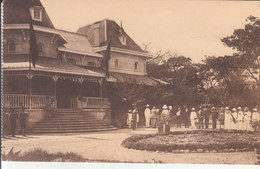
x=126 y=64
x=34 y=116
x=22 y=42
x=82 y=60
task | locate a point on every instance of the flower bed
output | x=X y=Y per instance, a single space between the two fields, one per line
x=194 y=141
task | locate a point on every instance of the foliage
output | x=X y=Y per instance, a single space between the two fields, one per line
x=166 y=143
x=41 y=155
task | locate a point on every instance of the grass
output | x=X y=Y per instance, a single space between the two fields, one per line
x=194 y=141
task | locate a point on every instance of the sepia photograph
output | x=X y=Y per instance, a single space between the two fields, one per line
x=160 y=82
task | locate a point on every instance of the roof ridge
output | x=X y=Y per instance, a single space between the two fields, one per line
x=92 y=23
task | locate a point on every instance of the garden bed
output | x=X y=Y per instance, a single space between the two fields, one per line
x=195 y=141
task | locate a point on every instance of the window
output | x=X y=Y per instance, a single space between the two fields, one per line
x=11 y=46
x=136 y=65
x=116 y=63
x=36 y=13
x=122 y=39
x=92 y=64
x=40 y=48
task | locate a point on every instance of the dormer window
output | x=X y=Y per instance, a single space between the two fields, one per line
x=122 y=39
x=36 y=13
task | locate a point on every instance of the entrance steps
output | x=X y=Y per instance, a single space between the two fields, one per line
x=70 y=121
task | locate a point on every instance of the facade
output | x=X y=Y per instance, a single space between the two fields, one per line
x=69 y=65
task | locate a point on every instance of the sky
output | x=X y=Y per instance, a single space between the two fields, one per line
x=190 y=28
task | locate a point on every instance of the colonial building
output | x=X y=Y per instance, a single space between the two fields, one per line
x=68 y=68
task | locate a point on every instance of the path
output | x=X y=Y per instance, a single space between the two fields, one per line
x=106 y=146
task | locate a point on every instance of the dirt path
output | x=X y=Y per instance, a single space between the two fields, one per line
x=106 y=146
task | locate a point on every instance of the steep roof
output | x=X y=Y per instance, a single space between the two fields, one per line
x=78 y=43
x=17 y=12
x=110 y=29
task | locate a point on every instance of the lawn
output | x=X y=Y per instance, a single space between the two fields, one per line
x=195 y=141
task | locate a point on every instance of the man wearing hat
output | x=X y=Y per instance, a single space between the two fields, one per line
x=193 y=117
x=129 y=118
x=240 y=119
x=147 y=115
x=206 y=113
x=255 y=117
x=228 y=119
x=214 y=113
x=234 y=119
x=135 y=118
x=247 y=119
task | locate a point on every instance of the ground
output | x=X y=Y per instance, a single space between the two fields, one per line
x=106 y=146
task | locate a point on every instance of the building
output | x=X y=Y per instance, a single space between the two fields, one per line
x=69 y=67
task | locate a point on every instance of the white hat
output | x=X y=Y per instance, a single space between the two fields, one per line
x=130 y=111
x=165 y=106
x=227 y=108
x=170 y=107
x=234 y=109
x=254 y=109
x=193 y=108
x=213 y=107
x=239 y=108
x=147 y=105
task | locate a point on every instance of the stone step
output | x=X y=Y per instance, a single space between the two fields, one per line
x=67 y=125
x=72 y=131
x=68 y=128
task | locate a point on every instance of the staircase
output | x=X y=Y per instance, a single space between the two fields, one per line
x=70 y=121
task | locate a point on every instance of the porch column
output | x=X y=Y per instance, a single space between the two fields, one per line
x=101 y=92
x=55 y=78
x=30 y=76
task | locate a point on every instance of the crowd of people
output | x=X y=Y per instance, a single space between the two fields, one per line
x=222 y=118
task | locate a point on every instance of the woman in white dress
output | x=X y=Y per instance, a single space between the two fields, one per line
x=240 y=119
x=247 y=120
x=234 y=119
x=193 y=117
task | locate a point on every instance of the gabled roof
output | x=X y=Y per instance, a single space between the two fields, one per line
x=108 y=30
x=17 y=12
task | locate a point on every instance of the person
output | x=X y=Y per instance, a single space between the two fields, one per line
x=147 y=115
x=240 y=119
x=255 y=117
x=170 y=110
x=5 y=123
x=165 y=113
x=206 y=113
x=153 y=117
x=23 y=120
x=214 y=117
x=193 y=117
x=157 y=116
x=221 y=118
x=178 y=114
x=13 y=119
x=135 y=117
x=228 y=119
x=129 y=119
x=247 y=119
x=200 y=118
x=234 y=119
x=186 y=116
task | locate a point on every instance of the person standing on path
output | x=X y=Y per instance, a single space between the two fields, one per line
x=206 y=113
x=179 y=120
x=228 y=119
x=214 y=117
x=193 y=117
x=240 y=119
x=201 y=118
x=234 y=119
x=147 y=115
x=23 y=120
x=186 y=116
x=13 y=121
x=135 y=118
x=247 y=120
x=129 y=119
x=153 y=117
x=255 y=117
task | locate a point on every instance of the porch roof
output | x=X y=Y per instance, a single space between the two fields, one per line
x=130 y=78
x=52 y=66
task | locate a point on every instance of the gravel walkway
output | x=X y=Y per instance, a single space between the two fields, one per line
x=105 y=146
